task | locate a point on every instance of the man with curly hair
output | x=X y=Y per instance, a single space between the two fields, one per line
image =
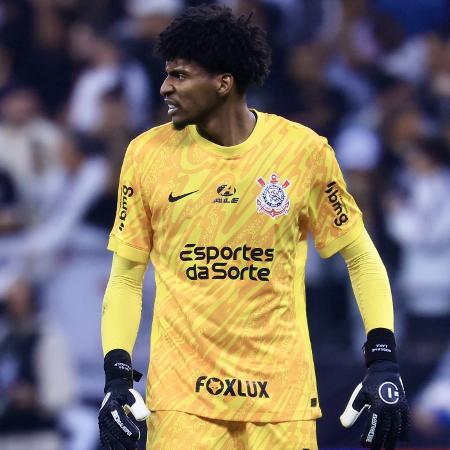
x=221 y=201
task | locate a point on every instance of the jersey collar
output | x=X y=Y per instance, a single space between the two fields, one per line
x=233 y=151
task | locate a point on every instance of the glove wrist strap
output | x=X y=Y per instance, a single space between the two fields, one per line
x=117 y=365
x=380 y=345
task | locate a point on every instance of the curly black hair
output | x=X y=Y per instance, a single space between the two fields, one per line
x=213 y=37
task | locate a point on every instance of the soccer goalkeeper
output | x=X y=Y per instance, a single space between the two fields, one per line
x=221 y=201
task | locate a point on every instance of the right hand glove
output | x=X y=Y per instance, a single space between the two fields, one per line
x=382 y=392
x=117 y=430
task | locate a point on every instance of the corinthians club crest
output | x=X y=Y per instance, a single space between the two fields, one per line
x=273 y=199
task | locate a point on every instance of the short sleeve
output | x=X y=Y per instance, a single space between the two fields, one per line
x=131 y=235
x=334 y=218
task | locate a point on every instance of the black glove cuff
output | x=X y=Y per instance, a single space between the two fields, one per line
x=117 y=365
x=380 y=345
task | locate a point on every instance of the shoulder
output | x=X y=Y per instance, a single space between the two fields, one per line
x=153 y=134
x=294 y=130
x=154 y=140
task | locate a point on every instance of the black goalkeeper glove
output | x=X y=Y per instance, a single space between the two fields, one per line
x=117 y=431
x=383 y=393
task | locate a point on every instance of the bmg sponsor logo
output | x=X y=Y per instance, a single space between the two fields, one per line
x=231 y=387
x=220 y=270
x=126 y=193
x=335 y=200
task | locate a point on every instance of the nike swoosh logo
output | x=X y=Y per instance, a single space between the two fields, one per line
x=175 y=198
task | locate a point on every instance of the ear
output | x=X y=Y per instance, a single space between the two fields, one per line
x=225 y=83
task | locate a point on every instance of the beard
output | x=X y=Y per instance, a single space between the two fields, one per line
x=179 y=125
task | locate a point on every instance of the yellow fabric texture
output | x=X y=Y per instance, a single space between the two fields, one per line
x=226 y=230
x=172 y=430
x=122 y=305
x=370 y=283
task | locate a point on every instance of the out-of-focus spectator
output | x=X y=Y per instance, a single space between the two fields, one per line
x=431 y=408
x=115 y=130
x=6 y=70
x=10 y=218
x=75 y=187
x=416 y=16
x=398 y=55
x=437 y=88
x=16 y=29
x=107 y=68
x=358 y=151
x=46 y=66
x=29 y=146
x=150 y=18
x=101 y=13
x=352 y=49
x=313 y=102
x=36 y=378
x=140 y=29
x=419 y=220
x=402 y=125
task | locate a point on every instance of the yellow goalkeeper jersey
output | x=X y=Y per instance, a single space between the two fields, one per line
x=226 y=230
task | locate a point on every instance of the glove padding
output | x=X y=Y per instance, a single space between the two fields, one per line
x=383 y=393
x=117 y=430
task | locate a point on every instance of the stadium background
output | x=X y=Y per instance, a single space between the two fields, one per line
x=78 y=81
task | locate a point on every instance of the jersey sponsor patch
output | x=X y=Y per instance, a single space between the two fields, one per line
x=273 y=199
x=227 y=194
x=224 y=269
x=232 y=387
x=335 y=200
x=127 y=192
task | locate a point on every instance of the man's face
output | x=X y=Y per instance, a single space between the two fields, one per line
x=190 y=92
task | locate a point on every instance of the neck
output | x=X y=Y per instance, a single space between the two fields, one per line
x=230 y=125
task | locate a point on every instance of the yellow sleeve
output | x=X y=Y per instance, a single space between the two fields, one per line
x=131 y=235
x=122 y=305
x=334 y=218
x=370 y=283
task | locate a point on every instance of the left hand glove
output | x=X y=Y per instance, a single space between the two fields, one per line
x=383 y=393
x=117 y=430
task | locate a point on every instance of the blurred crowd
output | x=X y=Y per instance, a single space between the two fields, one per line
x=78 y=80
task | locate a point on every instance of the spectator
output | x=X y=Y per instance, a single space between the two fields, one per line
x=431 y=408
x=312 y=101
x=74 y=188
x=28 y=143
x=9 y=215
x=6 y=70
x=107 y=68
x=46 y=66
x=399 y=55
x=419 y=220
x=32 y=357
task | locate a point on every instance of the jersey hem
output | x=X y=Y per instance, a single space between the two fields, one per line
x=127 y=251
x=252 y=417
x=342 y=241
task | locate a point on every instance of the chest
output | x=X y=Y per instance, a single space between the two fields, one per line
x=259 y=197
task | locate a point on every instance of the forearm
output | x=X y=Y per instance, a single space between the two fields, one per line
x=122 y=305
x=370 y=283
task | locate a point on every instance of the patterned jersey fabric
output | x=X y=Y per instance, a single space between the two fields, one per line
x=226 y=230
